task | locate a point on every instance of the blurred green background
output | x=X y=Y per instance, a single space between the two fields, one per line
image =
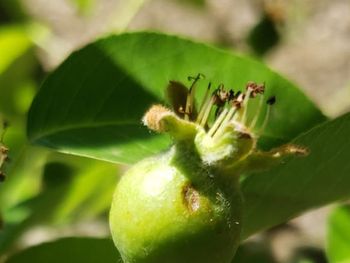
x=47 y=195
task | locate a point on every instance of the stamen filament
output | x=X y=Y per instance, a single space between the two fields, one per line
x=256 y=117
x=218 y=121
x=207 y=112
x=225 y=122
x=203 y=110
x=190 y=96
x=204 y=101
x=266 y=119
x=269 y=103
x=238 y=106
x=245 y=105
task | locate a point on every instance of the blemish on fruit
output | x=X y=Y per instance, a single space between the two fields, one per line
x=190 y=198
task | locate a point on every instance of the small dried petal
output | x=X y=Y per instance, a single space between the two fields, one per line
x=153 y=117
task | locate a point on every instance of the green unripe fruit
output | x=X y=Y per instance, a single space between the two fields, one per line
x=185 y=206
x=170 y=209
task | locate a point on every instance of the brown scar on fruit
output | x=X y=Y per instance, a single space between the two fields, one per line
x=190 y=198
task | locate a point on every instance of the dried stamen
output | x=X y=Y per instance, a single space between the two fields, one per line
x=205 y=105
x=256 y=117
x=190 y=96
x=223 y=115
x=221 y=97
x=207 y=110
x=238 y=103
x=245 y=104
x=270 y=101
x=217 y=122
x=255 y=88
x=229 y=116
x=205 y=97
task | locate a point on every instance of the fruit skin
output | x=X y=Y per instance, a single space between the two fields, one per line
x=172 y=208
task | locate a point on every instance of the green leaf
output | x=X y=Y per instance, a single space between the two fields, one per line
x=90 y=192
x=338 y=238
x=93 y=103
x=83 y=6
x=302 y=183
x=14 y=42
x=17 y=67
x=64 y=198
x=70 y=250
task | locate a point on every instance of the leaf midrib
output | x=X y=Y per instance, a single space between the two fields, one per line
x=82 y=126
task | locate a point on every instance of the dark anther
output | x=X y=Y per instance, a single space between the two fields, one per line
x=198 y=77
x=238 y=94
x=271 y=100
x=231 y=95
x=237 y=103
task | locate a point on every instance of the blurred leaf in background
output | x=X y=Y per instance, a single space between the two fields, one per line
x=84 y=7
x=70 y=250
x=18 y=67
x=254 y=252
x=73 y=190
x=11 y=11
x=264 y=36
x=27 y=198
x=338 y=239
x=19 y=76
